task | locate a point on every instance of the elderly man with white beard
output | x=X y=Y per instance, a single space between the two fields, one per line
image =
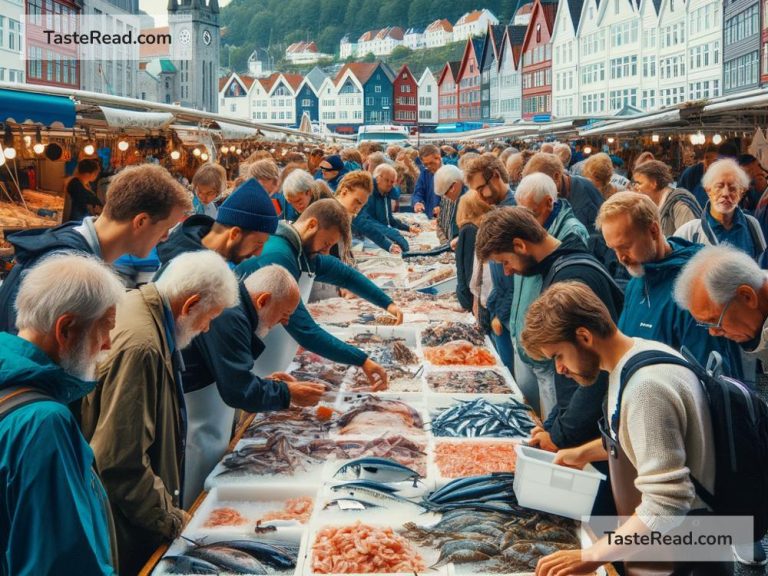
x=136 y=418
x=55 y=518
x=631 y=226
x=219 y=376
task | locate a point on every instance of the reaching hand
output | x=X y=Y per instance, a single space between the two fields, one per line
x=395 y=311
x=377 y=376
x=395 y=249
x=306 y=393
x=496 y=326
x=418 y=207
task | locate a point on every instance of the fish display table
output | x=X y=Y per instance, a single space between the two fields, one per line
x=417 y=477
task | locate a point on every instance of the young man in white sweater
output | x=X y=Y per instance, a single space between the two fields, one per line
x=664 y=429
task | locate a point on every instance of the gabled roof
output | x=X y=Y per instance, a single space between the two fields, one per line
x=368 y=36
x=301 y=47
x=243 y=79
x=315 y=78
x=514 y=36
x=439 y=26
x=451 y=68
x=547 y=7
x=424 y=74
x=158 y=66
x=575 y=8
x=494 y=37
x=394 y=32
x=414 y=30
x=268 y=82
x=362 y=71
x=473 y=16
x=404 y=69
x=294 y=80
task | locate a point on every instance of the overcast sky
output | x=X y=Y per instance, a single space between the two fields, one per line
x=158 y=9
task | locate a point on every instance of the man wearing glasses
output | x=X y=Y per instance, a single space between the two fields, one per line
x=727 y=293
x=630 y=225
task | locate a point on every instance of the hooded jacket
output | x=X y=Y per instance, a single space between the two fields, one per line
x=380 y=234
x=30 y=246
x=650 y=311
x=224 y=355
x=573 y=420
x=585 y=199
x=287 y=211
x=424 y=192
x=54 y=513
x=135 y=420
x=285 y=249
x=573 y=235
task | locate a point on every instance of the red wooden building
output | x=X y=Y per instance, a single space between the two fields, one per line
x=405 y=88
x=52 y=64
x=469 y=81
x=537 y=61
x=448 y=92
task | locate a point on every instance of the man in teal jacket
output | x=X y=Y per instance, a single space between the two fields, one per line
x=631 y=227
x=54 y=513
x=302 y=249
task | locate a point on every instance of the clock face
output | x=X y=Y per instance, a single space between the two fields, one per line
x=185 y=37
x=207 y=38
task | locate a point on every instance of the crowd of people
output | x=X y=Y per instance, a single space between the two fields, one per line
x=116 y=404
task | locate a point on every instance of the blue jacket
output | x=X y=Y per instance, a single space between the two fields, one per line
x=650 y=311
x=225 y=354
x=287 y=211
x=424 y=192
x=54 y=513
x=499 y=303
x=690 y=179
x=284 y=249
x=30 y=246
x=379 y=207
x=332 y=184
x=375 y=221
x=585 y=200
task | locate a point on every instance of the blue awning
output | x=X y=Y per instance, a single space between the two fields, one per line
x=42 y=109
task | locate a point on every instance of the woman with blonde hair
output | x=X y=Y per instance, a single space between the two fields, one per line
x=598 y=169
x=470 y=211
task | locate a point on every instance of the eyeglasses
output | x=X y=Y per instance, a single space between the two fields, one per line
x=719 y=325
x=324 y=169
x=634 y=183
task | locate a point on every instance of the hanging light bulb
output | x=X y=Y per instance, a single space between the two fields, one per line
x=89 y=149
x=588 y=150
x=693 y=138
x=175 y=155
x=701 y=138
x=655 y=138
x=611 y=140
x=39 y=148
x=10 y=153
x=123 y=145
x=27 y=141
x=196 y=152
x=204 y=156
x=238 y=151
x=716 y=139
x=224 y=149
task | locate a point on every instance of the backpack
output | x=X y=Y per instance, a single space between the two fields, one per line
x=740 y=434
x=582 y=260
x=689 y=201
x=18 y=396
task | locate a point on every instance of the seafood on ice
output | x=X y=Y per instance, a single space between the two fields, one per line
x=234 y=557
x=398 y=448
x=459 y=353
x=316 y=368
x=381 y=470
x=225 y=517
x=279 y=456
x=295 y=509
x=445 y=332
x=467 y=458
x=401 y=379
x=293 y=423
x=385 y=351
x=363 y=549
x=373 y=415
x=470 y=418
x=471 y=382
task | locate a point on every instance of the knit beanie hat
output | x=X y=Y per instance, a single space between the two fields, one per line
x=335 y=161
x=250 y=208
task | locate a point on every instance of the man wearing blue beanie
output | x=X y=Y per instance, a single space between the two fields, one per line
x=217 y=365
x=242 y=226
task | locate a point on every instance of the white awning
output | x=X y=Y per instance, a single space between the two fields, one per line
x=119 y=118
x=235 y=131
x=648 y=121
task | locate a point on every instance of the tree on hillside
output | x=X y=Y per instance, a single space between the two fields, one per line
x=370 y=57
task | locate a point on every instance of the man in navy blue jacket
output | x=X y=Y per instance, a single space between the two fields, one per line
x=424 y=197
x=376 y=221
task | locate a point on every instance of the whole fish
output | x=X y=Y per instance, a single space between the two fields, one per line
x=352 y=504
x=377 y=469
x=478 y=418
x=228 y=559
x=183 y=564
x=371 y=494
x=278 y=555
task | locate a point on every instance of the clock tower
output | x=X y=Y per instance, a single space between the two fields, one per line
x=195 y=46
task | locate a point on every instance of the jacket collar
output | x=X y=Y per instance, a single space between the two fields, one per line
x=154 y=303
x=286 y=231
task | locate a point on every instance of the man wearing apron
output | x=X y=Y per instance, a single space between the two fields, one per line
x=660 y=432
x=302 y=248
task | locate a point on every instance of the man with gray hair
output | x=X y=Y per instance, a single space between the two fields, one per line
x=726 y=292
x=449 y=186
x=298 y=193
x=376 y=221
x=136 y=418
x=538 y=193
x=219 y=378
x=55 y=517
x=563 y=151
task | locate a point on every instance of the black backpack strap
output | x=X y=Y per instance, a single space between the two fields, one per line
x=706 y=228
x=17 y=396
x=641 y=360
x=691 y=203
x=757 y=240
x=574 y=260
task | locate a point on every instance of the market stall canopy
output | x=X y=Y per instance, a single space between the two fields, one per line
x=35 y=108
x=235 y=131
x=646 y=121
x=120 y=118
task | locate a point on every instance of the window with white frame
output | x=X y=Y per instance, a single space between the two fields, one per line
x=621 y=98
x=649 y=66
x=743 y=25
x=648 y=100
x=624 y=67
x=624 y=33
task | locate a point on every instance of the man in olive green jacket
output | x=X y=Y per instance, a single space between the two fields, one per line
x=136 y=418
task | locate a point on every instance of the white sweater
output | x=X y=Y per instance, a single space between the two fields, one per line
x=666 y=431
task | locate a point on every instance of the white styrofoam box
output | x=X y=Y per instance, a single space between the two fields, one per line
x=300 y=477
x=180 y=546
x=542 y=485
x=487 y=344
x=396 y=521
x=252 y=502
x=434 y=470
